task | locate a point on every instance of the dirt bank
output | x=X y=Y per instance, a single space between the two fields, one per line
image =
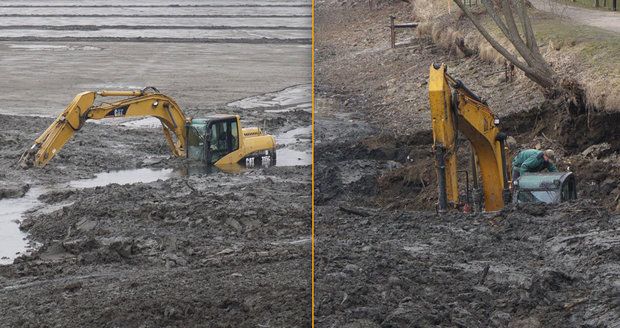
x=391 y=92
x=386 y=259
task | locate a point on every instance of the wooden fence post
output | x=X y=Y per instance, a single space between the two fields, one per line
x=392 y=32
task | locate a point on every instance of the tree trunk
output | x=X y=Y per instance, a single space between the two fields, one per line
x=533 y=64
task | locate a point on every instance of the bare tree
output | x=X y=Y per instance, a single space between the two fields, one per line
x=507 y=14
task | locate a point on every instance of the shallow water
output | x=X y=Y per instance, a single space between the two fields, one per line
x=13 y=242
x=290 y=155
x=183 y=20
x=292 y=136
x=292 y=97
x=143 y=3
x=152 y=11
x=144 y=175
x=181 y=33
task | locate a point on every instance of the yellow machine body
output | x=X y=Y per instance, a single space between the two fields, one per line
x=456 y=109
x=252 y=142
x=139 y=103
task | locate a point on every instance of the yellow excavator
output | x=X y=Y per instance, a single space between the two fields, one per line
x=218 y=140
x=454 y=109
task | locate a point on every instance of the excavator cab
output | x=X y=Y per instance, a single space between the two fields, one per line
x=549 y=188
x=220 y=139
x=211 y=139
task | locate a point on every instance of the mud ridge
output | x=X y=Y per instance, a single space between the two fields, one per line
x=156 y=15
x=161 y=6
x=143 y=27
x=163 y=40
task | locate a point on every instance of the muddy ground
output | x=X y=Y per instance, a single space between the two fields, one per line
x=384 y=258
x=197 y=248
x=218 y=248
x=227 y=249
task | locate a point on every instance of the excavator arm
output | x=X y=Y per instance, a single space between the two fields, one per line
x=146 y=102
x=454 y=109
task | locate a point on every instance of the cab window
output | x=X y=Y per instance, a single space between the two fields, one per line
x=223 y=139
x=196 y=142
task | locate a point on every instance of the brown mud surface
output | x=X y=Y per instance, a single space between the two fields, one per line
x=384 y=258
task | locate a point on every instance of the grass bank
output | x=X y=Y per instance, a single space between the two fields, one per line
x=585 y=53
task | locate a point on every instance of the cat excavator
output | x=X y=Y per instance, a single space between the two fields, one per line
x=454 y=109
x=216 y=140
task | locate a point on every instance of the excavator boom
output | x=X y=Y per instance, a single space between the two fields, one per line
x=454 y=109
x=146 y=102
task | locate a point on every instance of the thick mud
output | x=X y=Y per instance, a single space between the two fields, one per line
x=548 y=267
x=183 y=247
x=220 y=248
x=385 y=258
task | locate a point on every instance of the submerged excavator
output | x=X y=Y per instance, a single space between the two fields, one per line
x=455 y=109
x=215 y=140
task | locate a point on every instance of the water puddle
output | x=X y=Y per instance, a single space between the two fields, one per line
x=144 y=175
x=295 y=135
x=14 y=242
x=112 y=86
x=132 y=123
x=304 y=107
x=49 y=47
x=145 y=34
x=149 y=122
x=295 y=97
x=290 y=155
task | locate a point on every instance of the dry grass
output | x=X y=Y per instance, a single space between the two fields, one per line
x=603 y=5
x=586 y=53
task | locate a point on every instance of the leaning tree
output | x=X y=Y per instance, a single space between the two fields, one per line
x=508 y=15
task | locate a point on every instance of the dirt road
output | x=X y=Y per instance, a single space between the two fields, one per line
x=606 y=20
x=384 y=257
